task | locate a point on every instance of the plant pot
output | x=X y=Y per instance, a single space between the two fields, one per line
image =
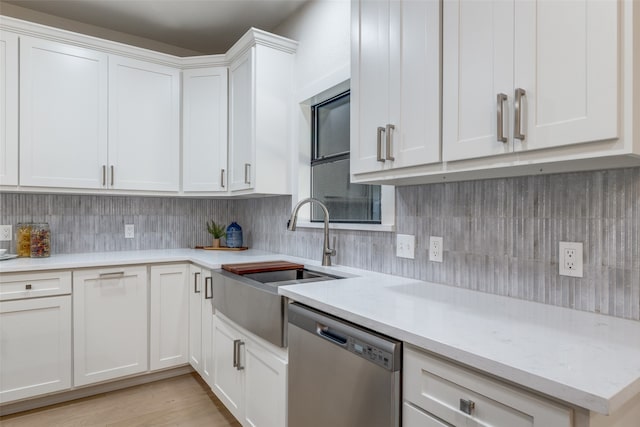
x=216 y=243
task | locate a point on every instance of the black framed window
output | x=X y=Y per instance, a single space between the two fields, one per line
x=330 y=175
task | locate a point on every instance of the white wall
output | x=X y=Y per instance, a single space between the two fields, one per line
x=323 y=61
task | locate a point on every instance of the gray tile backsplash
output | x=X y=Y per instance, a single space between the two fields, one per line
x=500 y=236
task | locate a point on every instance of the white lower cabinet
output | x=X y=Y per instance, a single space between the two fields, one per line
x=250 y=376
x=35 y=334
x=201 y=319
x=169 y=316
x=110 y=326
x=452 y=395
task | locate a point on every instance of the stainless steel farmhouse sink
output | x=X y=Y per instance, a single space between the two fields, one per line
x=251 y=300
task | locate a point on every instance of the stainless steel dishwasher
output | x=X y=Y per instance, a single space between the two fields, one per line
x=340 y=375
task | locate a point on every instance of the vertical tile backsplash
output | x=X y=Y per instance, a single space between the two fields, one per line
x=500 y=236
x=96 y=223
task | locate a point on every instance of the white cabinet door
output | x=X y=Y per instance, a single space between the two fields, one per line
x=260 y=110
x=63 y=115
x=395 y=85
x=8 y=108
x=566 y=61
x=195 y=318
x=265 y=387
x=207 y=371
x=242 y=122
x=110 y=323
x=477 y=66
x=169 y=316
x=555 y=64
x=228 y=365
x=414 y=89
x=201 y=319
x=144 y=124
x=369 y=83
x=35 y=342
x=204 y=127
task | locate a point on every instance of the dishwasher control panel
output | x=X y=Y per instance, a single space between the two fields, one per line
x=370 y=352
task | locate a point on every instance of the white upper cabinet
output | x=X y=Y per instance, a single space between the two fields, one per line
x=144 y=125
x=395 y=84
x=8 y=108
x=260 y=113
x=63 y=115
x=528 y=75
x=204 y=130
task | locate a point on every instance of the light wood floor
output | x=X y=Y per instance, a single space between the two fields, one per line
x=184 y=401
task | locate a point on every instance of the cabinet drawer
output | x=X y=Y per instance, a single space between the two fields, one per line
x=414 y=417
x=442 y=388
x=32 y=285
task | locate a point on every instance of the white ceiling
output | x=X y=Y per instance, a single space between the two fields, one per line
x=206 y=26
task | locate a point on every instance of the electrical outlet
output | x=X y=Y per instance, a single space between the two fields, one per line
x=5 y=233
x=435 y=248
x=129 y=231
x=570 y=259
x=405 y=246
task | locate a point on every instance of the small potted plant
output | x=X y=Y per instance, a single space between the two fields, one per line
x=217 y=231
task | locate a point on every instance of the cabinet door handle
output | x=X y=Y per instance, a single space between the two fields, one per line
x=208 y=287
x=221 y=178
x=112 y=174
x=467 y=406
x=502 y=98
x=104 y=175
x=195 y=283
x=379 y=147
x=113 y=275
x=247 y=173
x=236 y=354
x=388 y=130
x=518 y=134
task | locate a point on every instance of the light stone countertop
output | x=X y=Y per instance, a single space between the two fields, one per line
x=589 y=360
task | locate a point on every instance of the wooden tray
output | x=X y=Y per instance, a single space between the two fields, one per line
x=221 y=248
x=258 y=267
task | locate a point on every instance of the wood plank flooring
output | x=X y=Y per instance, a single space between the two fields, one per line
x=184 y=401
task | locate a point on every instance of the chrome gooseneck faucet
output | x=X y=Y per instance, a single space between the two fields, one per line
x=327 y=252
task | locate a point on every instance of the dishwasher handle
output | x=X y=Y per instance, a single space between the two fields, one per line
x=326 y=333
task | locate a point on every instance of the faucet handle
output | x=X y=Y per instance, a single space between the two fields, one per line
x=333 y=247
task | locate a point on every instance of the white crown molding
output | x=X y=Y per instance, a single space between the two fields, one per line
x=252 y=37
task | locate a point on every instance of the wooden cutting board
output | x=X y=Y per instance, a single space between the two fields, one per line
x=258 y=267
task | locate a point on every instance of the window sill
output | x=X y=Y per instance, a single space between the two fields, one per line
x=343 y=226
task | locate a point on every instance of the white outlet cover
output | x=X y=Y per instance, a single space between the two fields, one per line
x=6 y=233
x=405 y=246
x=435 y=248
x=129 y=231
x=570 y=259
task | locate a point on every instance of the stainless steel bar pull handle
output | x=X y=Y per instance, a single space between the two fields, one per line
x=222 y=178
x=236 y=347
x=236 y=354
x=502 y=98
x=208 y=287
x=517 y=133
x=104 y=175
x=467 y=406
x=112 y=174
x=247 y=173
x=113 y=275
x=195 y=283
x=388 y=130
x=379 y=147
